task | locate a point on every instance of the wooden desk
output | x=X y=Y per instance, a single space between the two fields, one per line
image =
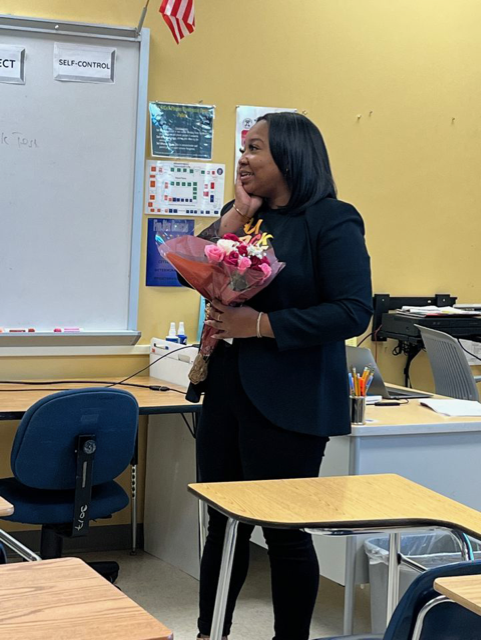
x=15 y=400
x=414 y=442
x=333 y=505
x=66 y=599
x=342 y=502
x=6 y=509
x=464 y=590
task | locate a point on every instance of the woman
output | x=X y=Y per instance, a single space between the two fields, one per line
x=274 y=397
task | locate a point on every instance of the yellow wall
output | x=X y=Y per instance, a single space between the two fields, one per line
x=406 y=67
x=410 y=162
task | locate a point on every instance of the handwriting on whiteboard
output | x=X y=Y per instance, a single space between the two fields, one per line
x=17 y=140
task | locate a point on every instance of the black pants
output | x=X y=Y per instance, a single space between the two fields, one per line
x=236 y=442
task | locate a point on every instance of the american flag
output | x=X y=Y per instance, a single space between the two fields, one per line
x=179 y=16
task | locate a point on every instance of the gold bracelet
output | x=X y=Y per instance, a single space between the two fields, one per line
x=242 y=215
x=258 y=325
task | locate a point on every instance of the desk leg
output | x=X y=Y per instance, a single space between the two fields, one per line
x=202 y=527
x=393 y=573
x=18 y=547
x=466 y=546
x=224 y=579
x=133 y=495
x=133 y=506
x=349 y=587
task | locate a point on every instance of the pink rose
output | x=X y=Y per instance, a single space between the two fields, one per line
x=266 y=269
x=244 y=264
x=214 y=253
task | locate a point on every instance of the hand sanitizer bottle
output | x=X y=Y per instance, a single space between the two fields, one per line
x=181 y=335
x=172 y=336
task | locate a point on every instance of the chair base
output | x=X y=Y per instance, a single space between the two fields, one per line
x=51 y=545
x=108 y=569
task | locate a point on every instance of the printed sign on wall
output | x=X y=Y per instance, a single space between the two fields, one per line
x=184 y=188
x=12 y=64
x=181 y=130
x=81 y=63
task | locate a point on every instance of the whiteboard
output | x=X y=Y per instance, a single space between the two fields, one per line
x=71 y=180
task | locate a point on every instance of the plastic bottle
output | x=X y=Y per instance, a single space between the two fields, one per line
x=181 y=334
x=172 y=336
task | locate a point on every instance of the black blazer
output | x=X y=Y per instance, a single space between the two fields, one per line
x=322 y=297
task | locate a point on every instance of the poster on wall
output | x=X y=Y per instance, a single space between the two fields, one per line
x=184 y=188
x=181 y=130
x=12 y=64
x=83 y=63
x=246 y=117
x=159 y=273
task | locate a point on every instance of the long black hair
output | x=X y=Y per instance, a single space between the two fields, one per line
x=298 y=149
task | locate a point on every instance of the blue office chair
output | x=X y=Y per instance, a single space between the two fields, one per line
x=446 y=621
x=67 y=451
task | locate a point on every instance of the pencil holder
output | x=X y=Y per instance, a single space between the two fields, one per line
x=358 y=409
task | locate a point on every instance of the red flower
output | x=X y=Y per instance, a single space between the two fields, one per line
x=231 y=236
x=232 y=259
x=242 y=249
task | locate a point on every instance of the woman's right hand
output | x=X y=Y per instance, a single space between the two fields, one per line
x=247 y=204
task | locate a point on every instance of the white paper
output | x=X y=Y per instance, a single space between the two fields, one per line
x=444 y=311
x=454 y=407
x=184 y=188
x=246 y=117
x=373 y=399
x=474 y=348
x=12 y=64
x=82 y=63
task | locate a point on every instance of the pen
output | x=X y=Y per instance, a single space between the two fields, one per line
x=351 y=385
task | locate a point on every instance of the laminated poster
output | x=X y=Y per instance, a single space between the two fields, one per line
x=184 y=188
x=181 y=130
x=159 y=272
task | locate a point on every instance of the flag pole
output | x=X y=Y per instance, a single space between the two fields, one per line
x=142 y=18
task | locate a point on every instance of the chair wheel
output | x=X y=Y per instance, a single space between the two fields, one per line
x=108 y=570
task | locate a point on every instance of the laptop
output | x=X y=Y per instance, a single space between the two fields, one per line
x=359 y=357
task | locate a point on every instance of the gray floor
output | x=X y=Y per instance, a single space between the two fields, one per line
x=171 y=596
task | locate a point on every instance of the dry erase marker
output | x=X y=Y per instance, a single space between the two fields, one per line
x=17 y=331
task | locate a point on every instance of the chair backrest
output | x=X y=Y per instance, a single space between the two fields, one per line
x=446 y=621
x=43 y=453
x=451 y=370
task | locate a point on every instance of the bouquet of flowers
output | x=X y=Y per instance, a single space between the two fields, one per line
x=231 y=269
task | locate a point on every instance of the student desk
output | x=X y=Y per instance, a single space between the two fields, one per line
x=6 y=509
x=65 y=598
x=464 y=590
x=15 y=400
x=332 y=506
x=412 y=441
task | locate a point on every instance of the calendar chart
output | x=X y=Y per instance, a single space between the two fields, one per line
x=184 y=188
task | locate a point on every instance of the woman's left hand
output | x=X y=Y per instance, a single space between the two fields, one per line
x=232 y=322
